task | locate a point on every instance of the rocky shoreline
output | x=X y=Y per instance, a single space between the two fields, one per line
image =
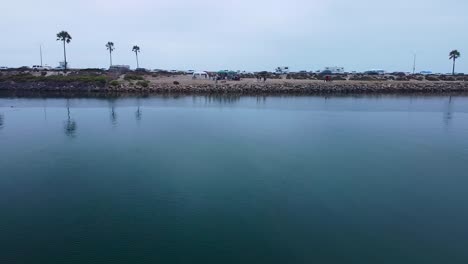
x=242 y=88
x=146 y=84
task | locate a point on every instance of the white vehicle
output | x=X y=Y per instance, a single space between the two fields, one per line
x=37 y=68
x=41 y=68
x=200 y=75
x=3 y=68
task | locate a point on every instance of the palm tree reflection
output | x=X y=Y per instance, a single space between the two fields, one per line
x=1 y=121
x=138 y=111
x=113 y=114
x=448 y=113
x=70 y=124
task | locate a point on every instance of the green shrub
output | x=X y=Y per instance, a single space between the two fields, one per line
x=143 y=83
x=114 y=83
x=133 y=77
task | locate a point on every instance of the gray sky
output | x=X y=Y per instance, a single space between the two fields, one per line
x=239 y=34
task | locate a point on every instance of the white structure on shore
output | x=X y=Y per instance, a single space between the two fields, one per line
x=62 y=65
x=334 y=70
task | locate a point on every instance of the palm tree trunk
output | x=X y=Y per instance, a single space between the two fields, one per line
x=110 y=52
x=65 y=55
x=138 y=65
x=453 y=69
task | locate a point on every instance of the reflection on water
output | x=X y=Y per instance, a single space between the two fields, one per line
x=225 y=99
x=113 y=114
x=138 y=111
x=70 y=124
x=138 y=114
x=448 y=113
x=234 y=180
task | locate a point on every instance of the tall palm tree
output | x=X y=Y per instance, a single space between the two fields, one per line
x=136 y=49
x=454 y=55
x=66 y=38
x=110 y=48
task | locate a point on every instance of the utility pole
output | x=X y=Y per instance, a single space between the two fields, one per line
x=414 y=63
x=40 y=52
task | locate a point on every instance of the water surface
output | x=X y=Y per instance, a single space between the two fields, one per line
x=234 y=180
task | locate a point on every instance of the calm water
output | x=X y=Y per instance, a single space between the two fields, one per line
x=234 y=180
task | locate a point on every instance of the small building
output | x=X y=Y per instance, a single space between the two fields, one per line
x=62 y=65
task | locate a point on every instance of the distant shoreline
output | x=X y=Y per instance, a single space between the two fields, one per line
x=131 y=83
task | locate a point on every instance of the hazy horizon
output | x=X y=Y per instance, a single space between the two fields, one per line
x=241 y=35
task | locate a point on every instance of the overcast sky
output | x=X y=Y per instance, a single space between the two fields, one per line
x=239 y=34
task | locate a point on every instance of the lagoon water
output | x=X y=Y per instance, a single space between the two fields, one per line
x=380 y=179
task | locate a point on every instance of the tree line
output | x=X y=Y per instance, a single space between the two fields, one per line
x=65 y=37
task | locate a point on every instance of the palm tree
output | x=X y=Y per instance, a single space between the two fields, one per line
x=136 y=49
x=454 y=55
x=110 y=47
x=66 y=38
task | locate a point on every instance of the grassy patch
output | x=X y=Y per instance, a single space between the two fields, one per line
x=133 y=77
x=114 y=83
x=143 y=83
x=97 y=80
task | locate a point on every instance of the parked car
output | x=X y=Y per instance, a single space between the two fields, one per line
x=3 y=68
x=37 y=68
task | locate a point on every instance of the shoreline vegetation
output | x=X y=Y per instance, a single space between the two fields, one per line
x=101 y=81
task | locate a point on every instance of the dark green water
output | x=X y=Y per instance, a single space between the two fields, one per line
x=234 y=180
